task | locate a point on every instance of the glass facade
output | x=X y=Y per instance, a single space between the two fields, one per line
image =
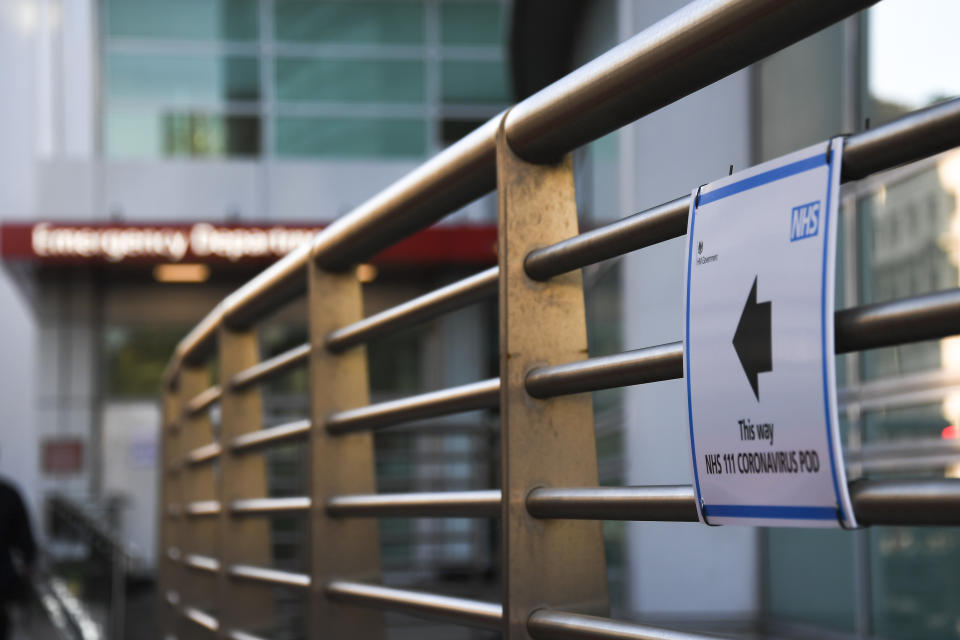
x=298 y=78
x=898 y=404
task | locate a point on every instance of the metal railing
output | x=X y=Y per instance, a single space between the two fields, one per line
x=549 y=463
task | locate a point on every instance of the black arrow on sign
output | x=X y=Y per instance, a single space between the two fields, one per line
x=752 y=339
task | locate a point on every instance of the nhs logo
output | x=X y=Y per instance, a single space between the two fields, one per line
x=804 y=221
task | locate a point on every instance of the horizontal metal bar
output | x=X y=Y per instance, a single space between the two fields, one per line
x=272 y=435
x=270 y=367
x=445 y=504
x=686 y=51
x=203 y=400
x=670 y=503
x=875 y=502
x=664 y=362
x=548 y=624
x=201 y=563
x=914 y=136
x=476 y=395
x=925 y=317
x=271 y=576
x=443 y=300
x=907 y=502
x=259 y=506
x=201 y=618
x=202 y=508
x=473 y=613
x=640 y=230
x=243 y=635
x=934 y=315
x=203 y=454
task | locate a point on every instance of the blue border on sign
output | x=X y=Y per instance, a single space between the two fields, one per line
x=823 y=339
x=768 y=511
x=761 y=511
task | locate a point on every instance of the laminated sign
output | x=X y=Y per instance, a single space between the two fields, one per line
x=758 y=345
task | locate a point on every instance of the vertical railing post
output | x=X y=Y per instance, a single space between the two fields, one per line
x=196 y=534
x=340 y=464
x=558 y=563
x=241 y=605
x=169 y=498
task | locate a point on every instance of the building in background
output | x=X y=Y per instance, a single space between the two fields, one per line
x=159 y=153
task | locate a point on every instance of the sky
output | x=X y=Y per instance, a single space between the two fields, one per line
x=914 y=50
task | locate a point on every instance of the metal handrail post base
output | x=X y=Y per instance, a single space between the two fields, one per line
x=543 y=442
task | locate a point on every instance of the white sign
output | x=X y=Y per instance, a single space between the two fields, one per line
x=758 y=345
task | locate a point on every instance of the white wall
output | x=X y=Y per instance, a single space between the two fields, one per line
x=677 y=570
x=18 y=442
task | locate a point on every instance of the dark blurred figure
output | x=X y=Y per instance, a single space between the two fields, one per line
x=18 y=551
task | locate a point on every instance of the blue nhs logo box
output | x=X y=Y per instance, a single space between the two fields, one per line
x=804 y=221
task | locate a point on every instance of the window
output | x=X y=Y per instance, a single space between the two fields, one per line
x=299 y=78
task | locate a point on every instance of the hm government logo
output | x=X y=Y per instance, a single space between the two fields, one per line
x=702 y=259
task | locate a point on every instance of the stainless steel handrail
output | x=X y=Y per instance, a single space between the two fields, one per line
x=671 y=503
x=271 y=435
x=652 y=364
x=201 y=562
x=206 y=453
x=924 y=317
x=201 y=618
x=443 y=300
x=438 y=504
x=261 y=506
x=202 y=508
x=875 y=502
x=270 y=367
x=204 y=400
x=476 y=395
x=474 y=613
x=549 y=624
x=270 y=576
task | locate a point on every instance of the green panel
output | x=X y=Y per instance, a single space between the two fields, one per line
x=349 y=22
x=351 y=138
x=471 y=23
x=915 y=585
x=299 y=79
x=234 y=20
x=474 y=81
x=182 y=78
x=149 y=133
x=810 y=577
